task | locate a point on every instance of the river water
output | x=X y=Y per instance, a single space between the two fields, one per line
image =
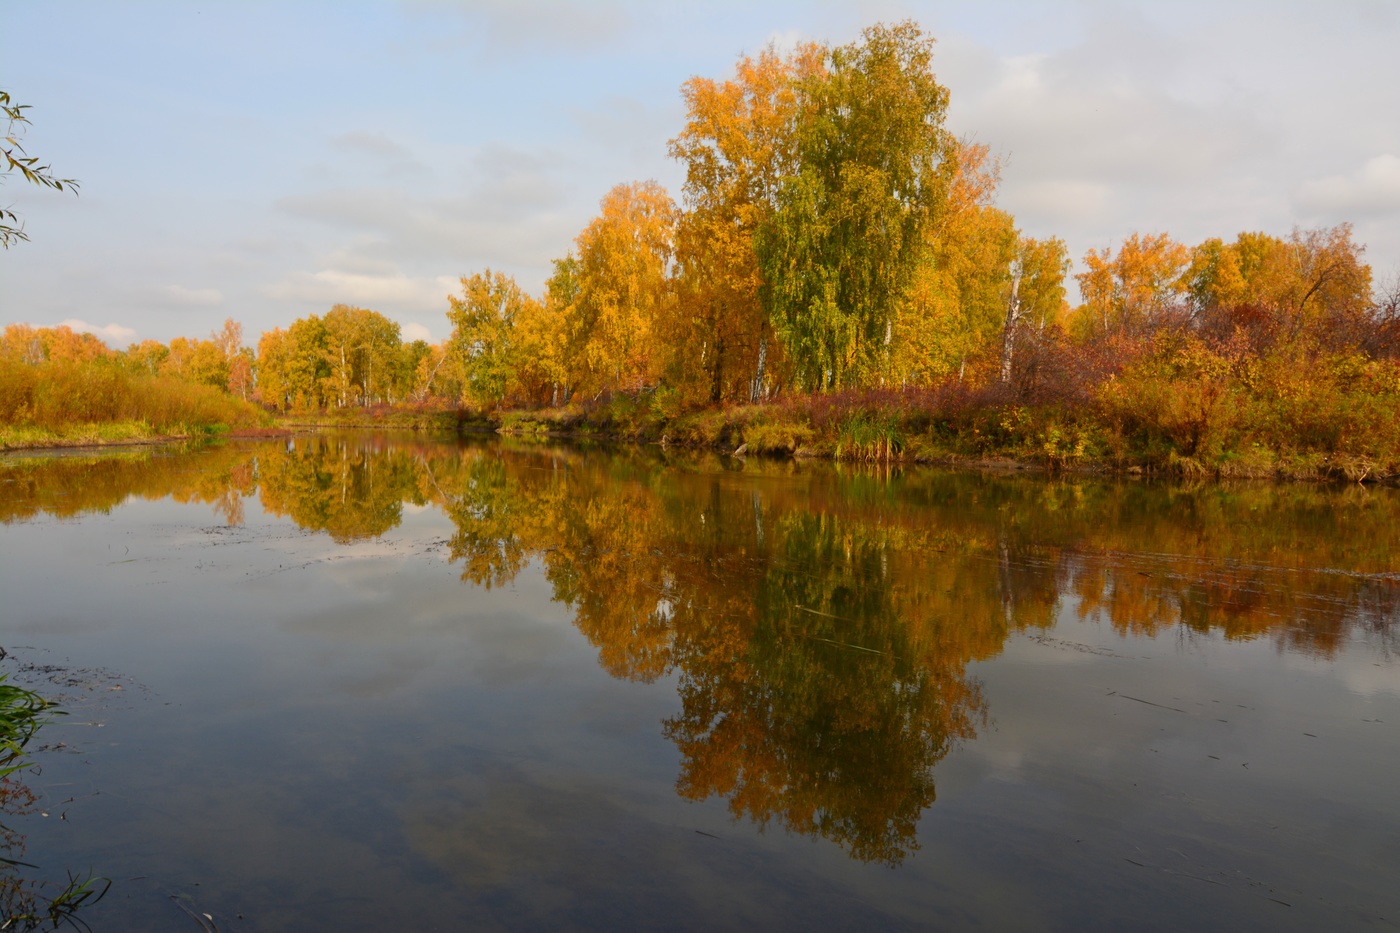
x=368 y=682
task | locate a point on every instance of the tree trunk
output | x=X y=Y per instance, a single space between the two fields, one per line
x=756 y=388
x=1008 y=336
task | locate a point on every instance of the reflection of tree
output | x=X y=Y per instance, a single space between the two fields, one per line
x=828 y=720
x=69 y=485
x=332 y=483
x=808 y=697
x=819 y=620
x=821 y=625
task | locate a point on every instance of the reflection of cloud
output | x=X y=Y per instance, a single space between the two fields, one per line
x=112 y=333
x=394 y=290
x=1371 y=680
x=1372 y=189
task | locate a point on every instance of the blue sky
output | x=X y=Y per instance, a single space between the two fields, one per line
x=263 y=161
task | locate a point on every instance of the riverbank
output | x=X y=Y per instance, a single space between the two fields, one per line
x=118 y=434
x=873 y=427
x=433 y=420
x=908 y=427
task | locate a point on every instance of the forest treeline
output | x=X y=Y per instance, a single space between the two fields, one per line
x=837 y=278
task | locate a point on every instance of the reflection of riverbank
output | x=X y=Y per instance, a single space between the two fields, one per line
x=1247 y=559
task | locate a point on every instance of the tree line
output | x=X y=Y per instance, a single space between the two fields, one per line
x=832 y=236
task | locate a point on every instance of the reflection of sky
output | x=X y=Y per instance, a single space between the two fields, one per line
x=264 y=161
x=337 y=733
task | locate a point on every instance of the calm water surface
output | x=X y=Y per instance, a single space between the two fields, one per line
x=364 y=683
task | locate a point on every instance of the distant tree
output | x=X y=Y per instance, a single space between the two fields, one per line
x=145 y=357
x=21 y=343
x=957 y=296
x=1141 y=286
x=483 y=342
x=411 y=357
x=197 y=361
x=361 y=349
x=29 y=168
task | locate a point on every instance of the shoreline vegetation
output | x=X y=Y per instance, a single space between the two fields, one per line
x=889 y=429
x=836 y=281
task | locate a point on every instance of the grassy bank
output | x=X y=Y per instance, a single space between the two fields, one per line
x=432 y=419
x=1184 y=411
x=71 y=404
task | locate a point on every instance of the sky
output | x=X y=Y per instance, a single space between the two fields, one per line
x=265 y=161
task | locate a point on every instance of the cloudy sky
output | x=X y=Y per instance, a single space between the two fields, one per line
x=263 y=161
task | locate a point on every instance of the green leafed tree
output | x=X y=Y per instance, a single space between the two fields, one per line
x=362 y=350
x=17 y=160
x=483 y=342
x=841 y=251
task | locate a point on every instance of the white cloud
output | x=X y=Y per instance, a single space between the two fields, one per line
x=183 y=297
x=394 y=292
x=114 y=334
x=510 y=26
x=1068 y=199
x=509 y=212
x=414 y=331
x=786 y=41
x=373 y=143
x=1370 y=680
x=394 y=159
x=1373 y=189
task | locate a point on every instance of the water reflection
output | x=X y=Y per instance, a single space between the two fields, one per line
x=819 y=622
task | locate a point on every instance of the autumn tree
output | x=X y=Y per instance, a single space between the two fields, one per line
x=850 y=229
x=540 y=376
x=738 y=145
x=1313 y=281
x=1134 y=290
x=24 y=344
x=198 y=361
x=1036 y=298
x=273 y=358
x=483 y=342
x=292 y=369
x=145 y=357
x=958 y=293
x=624 y=289
x=361 y=348
x=410 y=361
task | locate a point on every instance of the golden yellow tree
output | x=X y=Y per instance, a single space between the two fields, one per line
x=624 y=289
x=1139 y=287
x=738 y=145
x=957 y=299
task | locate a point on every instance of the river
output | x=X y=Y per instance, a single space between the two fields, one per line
x=365 y=682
